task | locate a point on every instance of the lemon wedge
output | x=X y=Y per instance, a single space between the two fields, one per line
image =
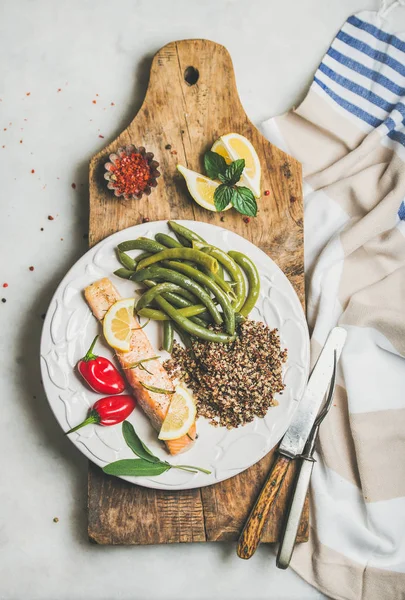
x=233 y=146
x=201 y=188
x=180 y=416
x=118 y=323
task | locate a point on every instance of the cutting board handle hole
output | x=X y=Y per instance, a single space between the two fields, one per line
x=191 y=75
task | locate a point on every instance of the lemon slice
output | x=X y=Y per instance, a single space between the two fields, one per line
x=201 y=188
x=118 y=323
x=180 y=416
x=233 y=146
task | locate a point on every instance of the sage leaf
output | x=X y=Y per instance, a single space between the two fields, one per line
x=214 y=164
x=234 y=171
x=135 y=467
x=136 y=444
x=244 y=201
x=222 y=197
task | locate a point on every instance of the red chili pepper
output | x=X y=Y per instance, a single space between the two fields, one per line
x=100 y=373
x=108 y=411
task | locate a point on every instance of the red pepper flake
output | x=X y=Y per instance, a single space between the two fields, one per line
x=112 y=103
x=5 y=129
x=5 y=285
x=267 y=192
x=97 y=95
x=61 y=239
x=59 y=89
x=145 y=220
x=101 y=136
x=31 y=268
x=20 y=141
x=28 y=94
x=173 y=152
x=131 y=174
x=25 y=119
x=74 y=186
x=50 y=218
x=32 y=170
x=94 y=101
x=3 y=146
x=246 y=219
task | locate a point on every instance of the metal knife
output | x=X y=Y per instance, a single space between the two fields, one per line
x=293 y=442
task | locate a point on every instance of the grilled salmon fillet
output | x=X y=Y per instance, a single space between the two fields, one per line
x=100 y=296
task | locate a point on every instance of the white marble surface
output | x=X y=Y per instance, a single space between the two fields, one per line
x=101 y=51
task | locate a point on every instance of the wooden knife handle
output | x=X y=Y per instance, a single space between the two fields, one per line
x=252 y=531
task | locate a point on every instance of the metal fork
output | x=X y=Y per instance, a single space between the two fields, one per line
x=302 y=482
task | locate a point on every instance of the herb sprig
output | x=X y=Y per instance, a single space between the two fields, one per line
x=241 y=198
x=147 y=464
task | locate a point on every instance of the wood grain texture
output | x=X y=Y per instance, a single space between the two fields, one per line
x=252 y=532
x=189 y=118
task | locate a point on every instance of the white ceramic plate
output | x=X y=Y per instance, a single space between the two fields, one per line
x=69 y=328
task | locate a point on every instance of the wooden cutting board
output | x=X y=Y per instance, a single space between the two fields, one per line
x=191 y=100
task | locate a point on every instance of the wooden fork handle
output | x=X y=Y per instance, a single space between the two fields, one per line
x=252 y=531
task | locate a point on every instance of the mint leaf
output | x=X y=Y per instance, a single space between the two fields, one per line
x=244 y=201
x=222 y=178
x=222 y=197
x=135 y=443
x=135 y=467
x=215 y=164
x=234 y=171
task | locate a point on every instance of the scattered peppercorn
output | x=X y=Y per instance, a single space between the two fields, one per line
x=74 y=186
x=51 y=218
x=286 y=170
x=3 y=300
x=246 y=219
x=5 y=285
x=145 y=220
x=55 y=520
x=168 y=147
x=293 y=199
x=31 y=268
x=20 y=141
x=42 y=228
x=267 y=192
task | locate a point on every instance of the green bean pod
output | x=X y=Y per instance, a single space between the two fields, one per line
x=183 y=281
x=228 y=312
x=167 y=240
x=141 y=244
x=175 y=299
x=127 y=261
x=124 y=273
x=252 y=275
x=185 y=337
x=158 y=315
x=201 y=258
x=190 y=327
x=168 y=336
x=234 y=271
x=148 y=297
x=186 y=233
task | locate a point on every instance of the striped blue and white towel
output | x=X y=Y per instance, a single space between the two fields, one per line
x=349 y=134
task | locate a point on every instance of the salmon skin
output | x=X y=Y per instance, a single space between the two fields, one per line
x=100 y=296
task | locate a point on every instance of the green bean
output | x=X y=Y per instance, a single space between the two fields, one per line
x=229 y=315
x=127 y=261
x=142 y=255
x=175 y=299
x=159 y=315
x=124 y=273
x=185 y=243
x=186 y=233
x=141 y=244
x=239 y=318
x=167 y=240
x=190 y=327
x=168 y=334
x=233 y=269
x=198 y=321
x=201 y=258
x=185 y=337
x=252 y=275
x=150 y=295
x=184 y=282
